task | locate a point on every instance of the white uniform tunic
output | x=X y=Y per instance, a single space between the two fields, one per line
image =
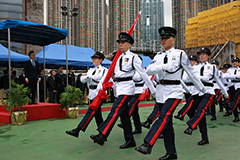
x=93 y=77
x=126 y=66
x=187 y=80
x=173 y=55
x=210 y=73
x=225 y=81
x=138 y=83
x=234 y=75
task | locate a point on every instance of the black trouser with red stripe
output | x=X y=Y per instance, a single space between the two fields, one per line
x=218 y=95
x=88 y=117
x=154 y=114
x=235 y=102
x=119 y=108
x=187 y=108
x=202 y=103
x=133 y=111
x=164 y=125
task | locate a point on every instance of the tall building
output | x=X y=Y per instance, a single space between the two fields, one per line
x=12 y=10
x=55 y=17
x=122 y=14
x=152 y=19
x=182 y=10
x=90 y=25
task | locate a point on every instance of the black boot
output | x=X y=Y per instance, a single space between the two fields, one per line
x=228 y=113
x=179 y=116
x=147 y=124
x=99 y=138
x=145 y=148
x=236 y=119
x=203 y=142
x=73 y=132
x=120 y=125
x=213 y=118
x=168 y=157
x=188 y=131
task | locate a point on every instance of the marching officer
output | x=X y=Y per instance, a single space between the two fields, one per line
x=168 y=65
x=133 y=104
x=218 y=94
x=207 y=73
x=227 y=83
x=60 y=82
x=187 y=108
x=124 y=71
x=234 y=75
x=93 y=78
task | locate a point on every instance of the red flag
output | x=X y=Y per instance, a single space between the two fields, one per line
x=101 y=95
x=145 y=94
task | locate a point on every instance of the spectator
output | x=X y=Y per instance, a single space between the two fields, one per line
x=52 y=87
x=71 y=77
x=31 y=69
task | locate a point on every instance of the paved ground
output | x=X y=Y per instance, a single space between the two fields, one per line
x=46 y=140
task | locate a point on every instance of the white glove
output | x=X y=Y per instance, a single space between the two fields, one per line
x=89 y=77
x=99 y=86
x=226 y=96
x=154 y=95
x=203 y=90
x=167 y=67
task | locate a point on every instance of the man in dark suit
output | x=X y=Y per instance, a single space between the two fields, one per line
x=31 y=69
x=52 y=87
x=60 y=82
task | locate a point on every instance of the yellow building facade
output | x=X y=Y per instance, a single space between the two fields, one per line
x=215 y=26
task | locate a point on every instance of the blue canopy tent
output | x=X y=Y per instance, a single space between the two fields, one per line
x=78 y=57
x=30 y=33
x=16 y=58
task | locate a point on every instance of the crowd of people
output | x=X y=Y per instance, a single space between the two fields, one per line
x=32 y=73
x=171 y=75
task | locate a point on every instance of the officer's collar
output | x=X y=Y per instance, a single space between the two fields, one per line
x=97 y=67
x=169 y=51
x=126 y=52
x=204 y=63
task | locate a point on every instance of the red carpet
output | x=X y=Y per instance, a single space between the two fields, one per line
x=49 y=110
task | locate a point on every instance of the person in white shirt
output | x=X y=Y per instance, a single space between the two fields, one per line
x=207 y=73
x=93 y=77
x=234 y=76
x=168 y=65
x=127 y=64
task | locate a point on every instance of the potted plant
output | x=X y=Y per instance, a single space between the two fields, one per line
x=16 y=98
x=68 y=101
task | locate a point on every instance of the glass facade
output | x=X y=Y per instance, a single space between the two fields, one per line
x=12 y=9
x=152 y=19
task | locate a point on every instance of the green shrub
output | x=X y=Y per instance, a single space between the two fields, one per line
x=70 y=96
x=17 y=96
